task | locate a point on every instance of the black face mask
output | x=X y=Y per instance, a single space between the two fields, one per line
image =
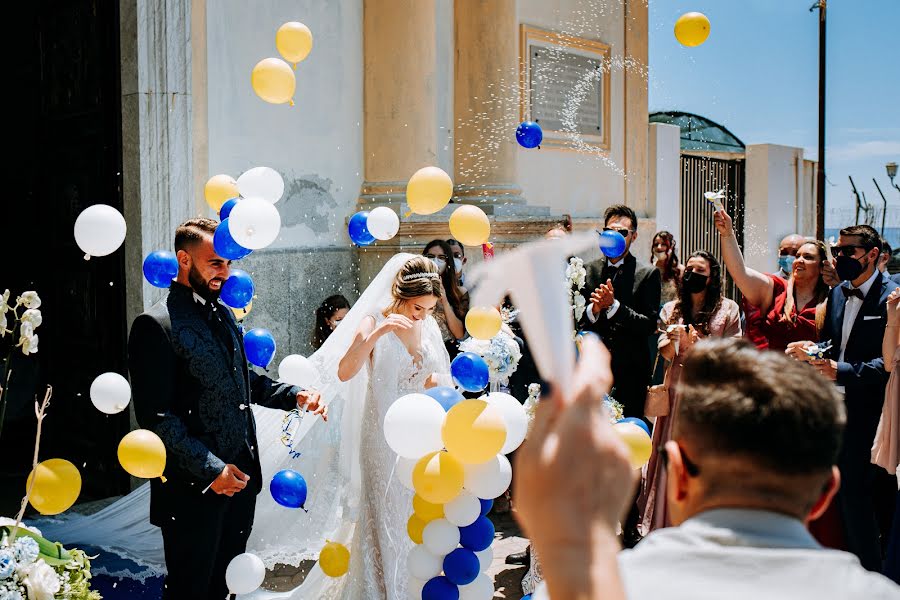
x=694 y=282
x=848 y=268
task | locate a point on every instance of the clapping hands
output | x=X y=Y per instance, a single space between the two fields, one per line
x=603 y=297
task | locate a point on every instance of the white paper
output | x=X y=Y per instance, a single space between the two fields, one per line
x=715 y=198
x=534 y=277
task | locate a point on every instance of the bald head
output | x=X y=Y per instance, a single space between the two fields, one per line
x=790 y=245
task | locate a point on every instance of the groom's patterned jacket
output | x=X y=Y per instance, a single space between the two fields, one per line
x=192 y=386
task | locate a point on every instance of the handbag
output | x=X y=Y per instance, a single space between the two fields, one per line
x=657 y=402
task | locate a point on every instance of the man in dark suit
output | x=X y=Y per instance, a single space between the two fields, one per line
x=854 y=323
x=192 y=387
x=623 y=295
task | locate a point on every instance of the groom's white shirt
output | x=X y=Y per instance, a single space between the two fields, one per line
x=739 y=554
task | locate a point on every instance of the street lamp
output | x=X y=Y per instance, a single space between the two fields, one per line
x=891 y=169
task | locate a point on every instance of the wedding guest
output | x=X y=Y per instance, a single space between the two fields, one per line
x=459 y=259
x=328 y=316
x=750 y=462
x=787 y=252
x=886 y=450
x=789 y=310
x=700 y=311
x=450 y=312
x=665 y=259
x=855 y=324
x=885 y=257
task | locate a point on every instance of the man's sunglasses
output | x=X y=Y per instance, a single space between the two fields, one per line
x=846 y=250
x=691 y=467
x=620 y=230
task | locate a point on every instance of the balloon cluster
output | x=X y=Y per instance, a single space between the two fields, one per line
x=273 y=79
x=452 y=455
x=380 y=223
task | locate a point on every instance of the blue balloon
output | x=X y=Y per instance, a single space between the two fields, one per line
x=259 y=346
x=486 y=506
x=461 y=566
x=237 y=291
x=612 y=244
x=477 y=536
x=359 y=230
x=288 y=488
x=226 y=208
x=224 y=244
x=445 y=395
x=470 y=372
x=639 y=422
x=160 y=268
x=526 y=597
x=529 y=134
x=440 y=588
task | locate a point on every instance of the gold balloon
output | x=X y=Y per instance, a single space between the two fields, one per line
x=415 y=527
x=483 y=322
x=334 y=559
x=294 y=41
x=438 y=478
x=427 y=511
x=473 y=432
x=57 y=484
x=639 y=444
x=692 y=29
x=273 y=80
x=428 y=191
x=240 y=313
x=470 y=225
x=143 y=454
x=219 y=189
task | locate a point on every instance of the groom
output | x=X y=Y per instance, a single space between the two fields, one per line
x=192 y=387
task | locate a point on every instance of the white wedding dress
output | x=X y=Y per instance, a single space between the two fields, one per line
x=354 y=496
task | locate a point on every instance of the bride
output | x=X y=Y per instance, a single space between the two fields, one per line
x=387 y=346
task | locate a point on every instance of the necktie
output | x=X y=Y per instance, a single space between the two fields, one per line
x=852 y=293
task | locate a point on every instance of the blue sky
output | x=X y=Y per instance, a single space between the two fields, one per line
x=757 y=74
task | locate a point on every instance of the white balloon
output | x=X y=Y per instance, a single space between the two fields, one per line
x=415 y=587
x=485 y=558
x=99 y=230
x=404 y=470
x=110 y=393
x=440 y=537
x=261 y=182
x=383 y=223
x=297 y=370
x=488 y=480
x=254 y=223
x=245 y=573
x=423 y=564
x=463 y=510
x=514 y=417
x=412 y=425
x=480 y=589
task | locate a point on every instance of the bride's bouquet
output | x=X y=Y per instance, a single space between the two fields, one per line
x=501 y=353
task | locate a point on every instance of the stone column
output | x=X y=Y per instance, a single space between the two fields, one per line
x=486 y=102
x=636 y=115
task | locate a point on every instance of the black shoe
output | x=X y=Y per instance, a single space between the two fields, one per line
x=519 y=558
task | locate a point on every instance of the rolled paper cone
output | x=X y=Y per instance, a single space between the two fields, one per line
x=677 y=343
x=487 y=251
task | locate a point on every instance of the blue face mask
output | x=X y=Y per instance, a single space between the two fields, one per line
x=786 y=263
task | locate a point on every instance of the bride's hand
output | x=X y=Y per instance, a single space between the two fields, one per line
x=394 y=322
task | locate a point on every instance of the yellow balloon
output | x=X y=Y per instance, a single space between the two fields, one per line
x=334 y=559
x=219 y=189
x=57 y=484
x=427 y=511
x=240 y=313
x=415 y=527
x=428 y=191
x=294 y=41
x=692 y=29
x=438 y=478
x=143 y=454
x=273 y=80
x=473 y=432
x=470 y=225
x=639 y=443
x=483 y=322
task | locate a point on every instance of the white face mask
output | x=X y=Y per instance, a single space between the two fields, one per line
x=458 y=264
x=440 y=264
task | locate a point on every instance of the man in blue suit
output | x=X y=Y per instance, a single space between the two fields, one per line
x=854 y=323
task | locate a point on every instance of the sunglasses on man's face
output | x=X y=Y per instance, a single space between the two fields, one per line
x=847 y=250
x=621 y=230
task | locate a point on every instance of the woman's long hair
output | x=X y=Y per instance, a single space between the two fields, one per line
x=326 y=310
x=670 y=268
x=712 y=301
x=820 y=294
x=449 y=277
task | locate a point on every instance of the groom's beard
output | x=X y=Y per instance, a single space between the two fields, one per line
x=201 y=286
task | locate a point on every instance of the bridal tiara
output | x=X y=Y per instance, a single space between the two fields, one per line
x=425 y=275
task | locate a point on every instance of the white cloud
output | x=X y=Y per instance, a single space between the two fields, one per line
x=863 y=150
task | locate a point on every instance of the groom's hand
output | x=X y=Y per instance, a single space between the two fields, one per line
x=230 y=481
x=311 y=401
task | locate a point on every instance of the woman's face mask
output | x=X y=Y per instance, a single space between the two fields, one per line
x=694 y=282
x=458 y=264
x=440 y=263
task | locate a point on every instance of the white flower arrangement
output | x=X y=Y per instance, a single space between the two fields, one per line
x=26 y=575
x=612 y=406
x=28 y=322
x=501 y=353
x=576 y=277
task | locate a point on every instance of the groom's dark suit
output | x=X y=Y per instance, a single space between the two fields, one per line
x=192 y=387
x=862 y=375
